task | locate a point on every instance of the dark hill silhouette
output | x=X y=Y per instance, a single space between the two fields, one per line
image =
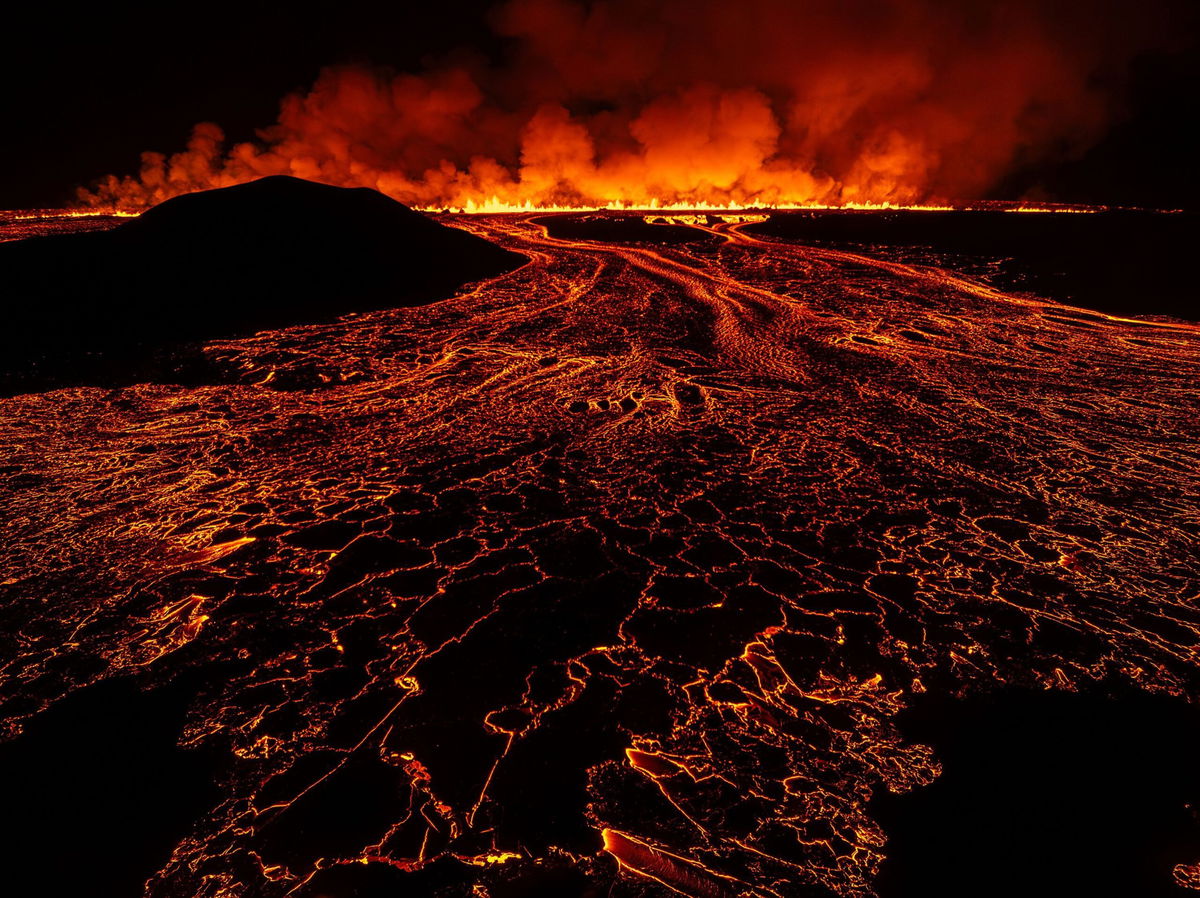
x=95 y=307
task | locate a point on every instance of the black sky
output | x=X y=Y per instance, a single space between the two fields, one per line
x=83 y=93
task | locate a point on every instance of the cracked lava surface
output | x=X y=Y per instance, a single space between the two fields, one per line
x=621 y=564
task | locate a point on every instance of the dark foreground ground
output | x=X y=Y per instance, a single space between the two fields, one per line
x=708 y=556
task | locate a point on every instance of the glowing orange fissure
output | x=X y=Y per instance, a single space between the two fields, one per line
x=666 y=211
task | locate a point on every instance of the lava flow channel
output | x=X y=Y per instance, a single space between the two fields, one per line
x=621 y=564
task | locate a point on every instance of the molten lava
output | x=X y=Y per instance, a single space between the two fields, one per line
x=611 y=572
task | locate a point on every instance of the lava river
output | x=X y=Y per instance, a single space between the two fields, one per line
x=612 y=573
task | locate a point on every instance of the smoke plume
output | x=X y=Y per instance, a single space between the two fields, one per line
x=700 y=101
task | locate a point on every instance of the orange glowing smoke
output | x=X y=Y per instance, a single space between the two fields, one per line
x=664 y=102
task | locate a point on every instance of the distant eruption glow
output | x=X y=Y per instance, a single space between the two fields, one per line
x=695 y=104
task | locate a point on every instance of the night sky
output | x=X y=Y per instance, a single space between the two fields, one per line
x=86 y=92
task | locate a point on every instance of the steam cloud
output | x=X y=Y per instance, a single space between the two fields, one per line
x=686 y=101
